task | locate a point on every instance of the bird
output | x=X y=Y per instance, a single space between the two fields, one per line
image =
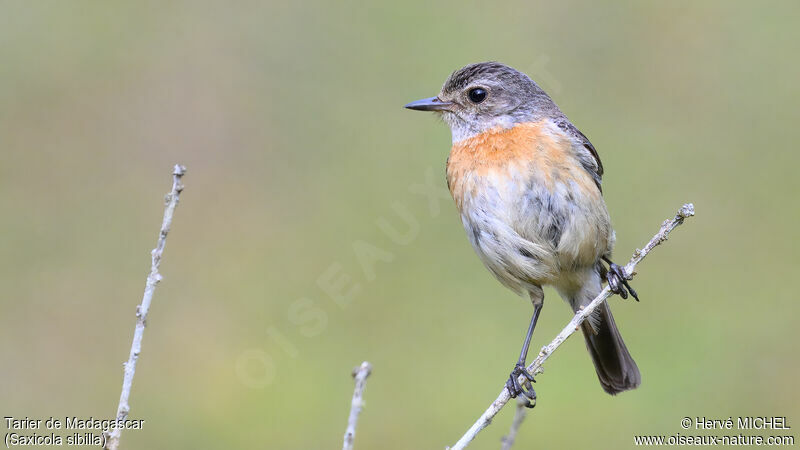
x=527 y=185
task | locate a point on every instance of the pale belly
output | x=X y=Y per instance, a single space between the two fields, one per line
x=532 y=230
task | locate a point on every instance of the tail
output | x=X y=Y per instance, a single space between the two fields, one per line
x=615 y=367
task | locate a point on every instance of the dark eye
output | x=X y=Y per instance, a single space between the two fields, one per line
x=477 y=95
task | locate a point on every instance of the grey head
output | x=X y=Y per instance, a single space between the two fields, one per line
x=487 y=95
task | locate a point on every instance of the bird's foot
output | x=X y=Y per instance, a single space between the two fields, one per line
x=526 y=389
x=617 y=281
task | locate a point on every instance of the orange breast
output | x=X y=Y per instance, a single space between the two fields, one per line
x=537 y=150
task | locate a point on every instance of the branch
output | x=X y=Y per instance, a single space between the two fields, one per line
x=536 y=366
x=360 y=374
x=171 y=201
x=519 y=416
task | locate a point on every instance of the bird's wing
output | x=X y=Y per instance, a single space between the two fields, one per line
x=587 y=154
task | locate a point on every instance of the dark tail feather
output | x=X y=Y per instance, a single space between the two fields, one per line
x=615 y=367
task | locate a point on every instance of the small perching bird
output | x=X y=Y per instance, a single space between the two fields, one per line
x=527 y=185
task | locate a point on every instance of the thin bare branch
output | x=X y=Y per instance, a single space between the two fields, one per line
x=536 y=366
x=171 y=201
x=360 y=374
x=519 y=416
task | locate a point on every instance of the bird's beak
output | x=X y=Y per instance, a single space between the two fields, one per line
x=430 y=104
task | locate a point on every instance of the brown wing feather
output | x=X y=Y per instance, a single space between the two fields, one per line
x=593 y=165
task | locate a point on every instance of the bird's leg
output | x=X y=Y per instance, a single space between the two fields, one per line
x=513 y=386
x=617 y=280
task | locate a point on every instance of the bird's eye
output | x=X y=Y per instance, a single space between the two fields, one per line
x=477 y=95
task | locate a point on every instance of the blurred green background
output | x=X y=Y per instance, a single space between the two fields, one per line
x=289 y=118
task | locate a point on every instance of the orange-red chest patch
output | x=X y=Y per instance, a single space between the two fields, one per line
x=535 y=150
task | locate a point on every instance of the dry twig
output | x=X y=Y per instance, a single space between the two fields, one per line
x=536 y=366
x=112 y=437
x=360 y=374
x=519 y=416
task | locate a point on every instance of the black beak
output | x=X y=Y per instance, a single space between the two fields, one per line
x=430 y=104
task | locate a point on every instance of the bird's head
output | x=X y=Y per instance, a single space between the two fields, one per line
x=484 y=96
